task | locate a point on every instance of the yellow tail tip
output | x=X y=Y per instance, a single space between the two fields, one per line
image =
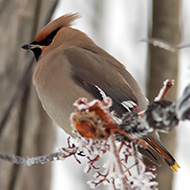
x=175 y=167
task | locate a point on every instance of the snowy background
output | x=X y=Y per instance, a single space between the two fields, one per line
x=121 y=27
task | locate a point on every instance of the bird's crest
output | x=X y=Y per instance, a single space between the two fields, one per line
x=63 y=21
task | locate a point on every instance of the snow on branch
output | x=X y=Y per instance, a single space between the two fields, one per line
x=62 y=153
x=97 y=126
x=167 y=84
x=164 y=44
x=101 y=133
x=160 y=116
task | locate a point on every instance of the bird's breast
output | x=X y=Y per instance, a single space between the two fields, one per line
x=57 y=91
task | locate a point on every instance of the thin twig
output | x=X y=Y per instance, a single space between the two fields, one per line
x=116 y=153
x=38 y=160
x=136 y=157
x=167 y=84
x=165 y=45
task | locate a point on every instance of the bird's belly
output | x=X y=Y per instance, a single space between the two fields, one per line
x=58 y=103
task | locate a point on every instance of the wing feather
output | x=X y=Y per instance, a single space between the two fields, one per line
x=93 y=72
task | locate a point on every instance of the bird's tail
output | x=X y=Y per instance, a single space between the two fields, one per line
x=156 y=145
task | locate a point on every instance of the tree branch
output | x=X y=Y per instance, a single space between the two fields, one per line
x=38 y=160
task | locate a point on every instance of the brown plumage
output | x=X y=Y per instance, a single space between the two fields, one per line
x=70 y=65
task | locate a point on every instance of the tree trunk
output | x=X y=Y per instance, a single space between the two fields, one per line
x=164 y=65
x=28 y=131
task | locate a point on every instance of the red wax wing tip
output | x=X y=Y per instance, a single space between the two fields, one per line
x=135 y=107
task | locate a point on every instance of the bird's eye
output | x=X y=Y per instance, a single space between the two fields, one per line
x=48 y=41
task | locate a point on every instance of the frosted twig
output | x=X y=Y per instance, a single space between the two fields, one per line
x=136 y=157
x=167 y=84
x=160 y=115
x=91 y=163
x=119 y=163
x=37 y=160
x=164 y=44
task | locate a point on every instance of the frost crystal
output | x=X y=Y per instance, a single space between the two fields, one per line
x=121 y=173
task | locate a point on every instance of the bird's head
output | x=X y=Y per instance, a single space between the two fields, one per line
x=47 y=35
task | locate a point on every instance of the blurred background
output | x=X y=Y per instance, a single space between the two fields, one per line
x=117 y=26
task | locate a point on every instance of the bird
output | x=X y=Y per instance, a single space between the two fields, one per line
x=70 y=65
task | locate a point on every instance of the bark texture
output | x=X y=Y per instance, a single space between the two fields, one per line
x=164 y=65
x=28 y=131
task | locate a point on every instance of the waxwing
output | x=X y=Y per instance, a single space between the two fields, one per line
x=70 y=65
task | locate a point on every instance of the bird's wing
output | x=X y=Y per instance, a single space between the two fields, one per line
x=102 y=77
x=95 y=74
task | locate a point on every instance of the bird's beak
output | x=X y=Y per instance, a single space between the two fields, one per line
x=30 y=46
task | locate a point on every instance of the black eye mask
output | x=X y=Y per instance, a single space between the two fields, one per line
x=48 y=40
